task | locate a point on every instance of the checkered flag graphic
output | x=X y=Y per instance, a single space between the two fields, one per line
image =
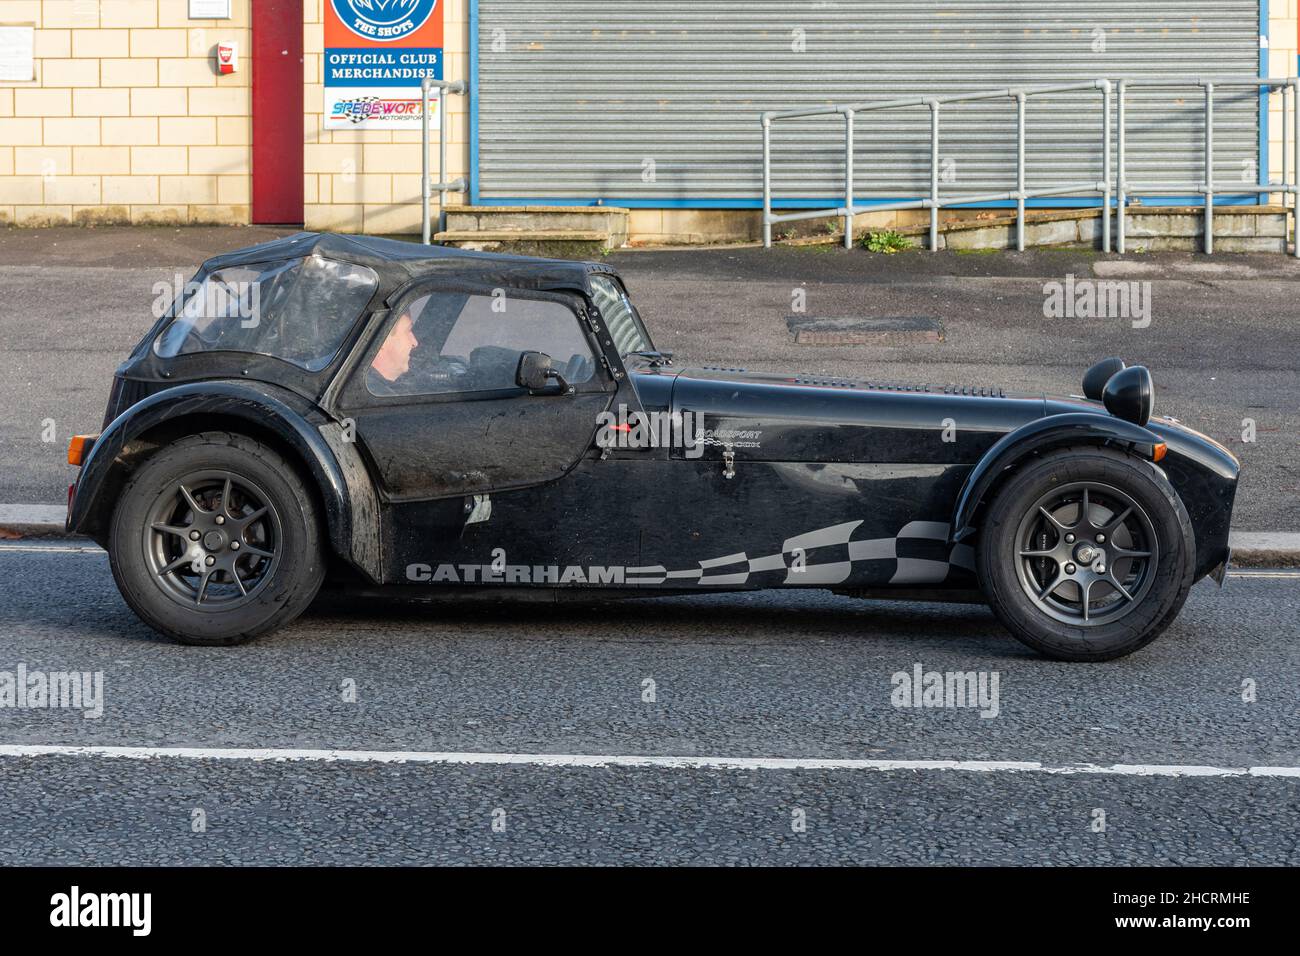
x=919 y=554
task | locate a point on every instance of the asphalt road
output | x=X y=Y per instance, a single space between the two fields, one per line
x=1222 y=342
x=761 y=675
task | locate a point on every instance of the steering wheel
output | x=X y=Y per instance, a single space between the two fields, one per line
x=434 y=373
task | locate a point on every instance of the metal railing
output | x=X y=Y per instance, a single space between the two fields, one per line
x=1123 y=189
x=935 y=202
x=443 y=186
x=1207 y=186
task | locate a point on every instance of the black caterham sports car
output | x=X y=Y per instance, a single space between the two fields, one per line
x=379 y=415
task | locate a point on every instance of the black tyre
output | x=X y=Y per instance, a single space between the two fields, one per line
x=1087 y=554
x=216 y=540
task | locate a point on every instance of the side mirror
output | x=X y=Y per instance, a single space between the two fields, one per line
x=536 y=374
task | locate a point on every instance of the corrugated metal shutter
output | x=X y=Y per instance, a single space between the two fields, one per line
x=659 y=100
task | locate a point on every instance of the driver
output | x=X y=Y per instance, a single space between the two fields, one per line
x=393 y=360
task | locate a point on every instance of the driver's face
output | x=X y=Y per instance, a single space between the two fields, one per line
x=394 y=356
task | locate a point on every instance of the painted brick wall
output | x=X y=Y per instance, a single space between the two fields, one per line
x=126 y=120
x=1281 y=62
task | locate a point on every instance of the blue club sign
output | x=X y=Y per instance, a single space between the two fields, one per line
x=376 y=54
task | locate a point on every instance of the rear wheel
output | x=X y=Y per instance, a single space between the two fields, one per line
x=216 y=540
x=1087 y=554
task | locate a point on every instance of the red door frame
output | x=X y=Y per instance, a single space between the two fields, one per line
x=277 y=111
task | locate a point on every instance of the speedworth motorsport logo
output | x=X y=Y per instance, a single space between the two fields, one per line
x=373 y=108
x=384 y=20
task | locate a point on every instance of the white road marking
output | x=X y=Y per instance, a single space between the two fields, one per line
x=618 y=760
x=51 y=548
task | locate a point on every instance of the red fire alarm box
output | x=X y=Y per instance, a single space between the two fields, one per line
x=227 y=57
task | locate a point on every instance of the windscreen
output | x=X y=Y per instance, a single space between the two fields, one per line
x=619 y=315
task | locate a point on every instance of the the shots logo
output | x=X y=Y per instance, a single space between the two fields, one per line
x=977 y=690
x=21 y=689
x=383 y=20
x=212 y=298
x=75 y=908
x=635 y=429
x=1090 y=299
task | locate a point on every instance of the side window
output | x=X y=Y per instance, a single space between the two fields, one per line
x=298 y=310
x=459 y=342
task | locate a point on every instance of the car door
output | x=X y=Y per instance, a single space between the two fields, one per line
x=449 y=433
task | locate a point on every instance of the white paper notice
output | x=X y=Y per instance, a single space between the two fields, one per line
x=16 y=54
x=209 y=9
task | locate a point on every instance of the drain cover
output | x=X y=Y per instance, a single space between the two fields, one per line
x=857 y=330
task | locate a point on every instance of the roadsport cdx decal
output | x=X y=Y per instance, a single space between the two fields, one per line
x=733 y=437
x=919 y=553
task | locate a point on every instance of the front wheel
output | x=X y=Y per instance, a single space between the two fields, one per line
x=215 y=540
x=1087 y=554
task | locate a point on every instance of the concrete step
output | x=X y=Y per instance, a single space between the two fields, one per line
x=554 y=243
x=611 y=221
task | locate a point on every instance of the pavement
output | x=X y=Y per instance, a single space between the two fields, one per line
x=400 y=732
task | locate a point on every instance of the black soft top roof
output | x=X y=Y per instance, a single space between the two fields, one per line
x=396 y=261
